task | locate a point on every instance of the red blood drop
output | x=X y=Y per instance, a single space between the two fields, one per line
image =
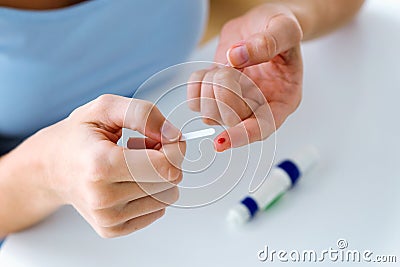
x=221 y=140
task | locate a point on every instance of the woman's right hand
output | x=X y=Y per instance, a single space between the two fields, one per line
x=117 y=190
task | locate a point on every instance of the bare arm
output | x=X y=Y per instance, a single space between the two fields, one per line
x=317 y=17
x=24 y=200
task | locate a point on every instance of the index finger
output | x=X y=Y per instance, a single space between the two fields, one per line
x=146 y=118
x=113 y=113
x=255 y=128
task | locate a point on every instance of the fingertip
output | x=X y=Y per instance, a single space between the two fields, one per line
x=222 y=142
x=170 y=133
x=219 y=149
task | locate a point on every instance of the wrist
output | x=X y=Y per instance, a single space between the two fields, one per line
x=41 y=160
x=25 y=197
x=305 y=13
x=27 y=167
x=319 y=17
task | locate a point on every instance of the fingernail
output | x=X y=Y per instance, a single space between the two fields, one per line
x=157 y=147
x=170 y=132
x=238 y=54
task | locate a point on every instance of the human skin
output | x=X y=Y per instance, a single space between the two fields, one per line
x=77 y=161
x=39 y=4
x=264 y=44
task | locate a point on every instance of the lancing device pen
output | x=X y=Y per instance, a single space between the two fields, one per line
x=281 y=178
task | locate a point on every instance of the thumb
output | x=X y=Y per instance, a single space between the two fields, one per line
x=281 y=34
x=114 y=112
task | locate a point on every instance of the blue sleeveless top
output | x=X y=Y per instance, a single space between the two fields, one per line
x=52 y=62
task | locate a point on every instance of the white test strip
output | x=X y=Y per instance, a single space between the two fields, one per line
x=197 y=134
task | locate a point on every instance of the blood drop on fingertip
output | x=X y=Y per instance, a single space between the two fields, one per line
x=221 y=140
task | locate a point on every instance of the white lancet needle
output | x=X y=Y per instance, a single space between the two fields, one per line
x=197 y=134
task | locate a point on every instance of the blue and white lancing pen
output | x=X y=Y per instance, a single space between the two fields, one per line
x=281 y=178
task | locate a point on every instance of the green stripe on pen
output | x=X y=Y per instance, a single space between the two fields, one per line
x=274 y=201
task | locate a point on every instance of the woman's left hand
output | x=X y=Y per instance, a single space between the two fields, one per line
x=265 y=45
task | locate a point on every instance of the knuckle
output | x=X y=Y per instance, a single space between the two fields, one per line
x=297 y=32
x=192 y=90
x=101 y=103
x=223 y=75
x=231 y=119
x=98 y=105
x=253 y=133
x=97 y=171
x=143 y=108
x=97 y=165
x=107 y=218
x=268 y=43
x=104 y=100
x=208 y=79
x=227 y=98
x=208 y=106
x=161 y=166
x=98 y=199
x=196 y=77
x=289 y=22
x=95 y=200
x=77 y=113
x=193 y=104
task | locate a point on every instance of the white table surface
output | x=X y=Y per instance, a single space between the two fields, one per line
x=349 y=110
